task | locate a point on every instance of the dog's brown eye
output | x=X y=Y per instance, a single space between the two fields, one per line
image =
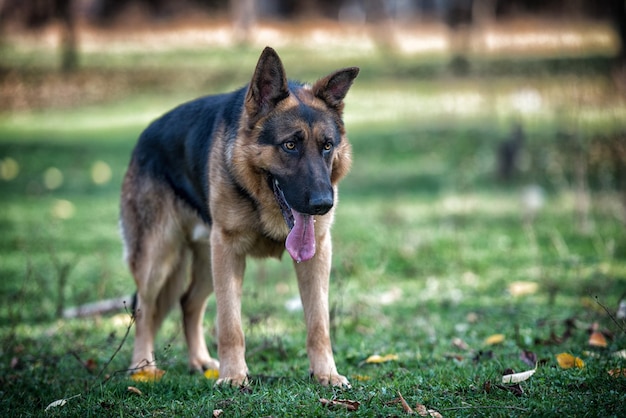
x=328 y=146
x=289 y=145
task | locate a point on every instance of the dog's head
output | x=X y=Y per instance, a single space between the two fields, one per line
x=298 y=140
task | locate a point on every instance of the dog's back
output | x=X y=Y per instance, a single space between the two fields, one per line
x=174 y=148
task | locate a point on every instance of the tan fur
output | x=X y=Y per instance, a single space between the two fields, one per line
x=170 y=248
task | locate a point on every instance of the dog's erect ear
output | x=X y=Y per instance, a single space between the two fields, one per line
x=333 y=88
x=268 y=86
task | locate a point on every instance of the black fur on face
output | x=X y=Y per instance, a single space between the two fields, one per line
x=305 y=140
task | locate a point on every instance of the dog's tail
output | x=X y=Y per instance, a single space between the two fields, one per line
x=102 y=307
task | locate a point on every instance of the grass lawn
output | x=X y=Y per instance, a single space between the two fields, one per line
x=437 y=263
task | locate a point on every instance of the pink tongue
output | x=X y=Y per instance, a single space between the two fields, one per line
x=301 y=240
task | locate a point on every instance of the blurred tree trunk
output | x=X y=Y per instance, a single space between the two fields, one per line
x=35 y=14
x=69 y=42
x=243 y=13
x=618 y=15
x=619 y=19
x=484 y=12
x=458 y=18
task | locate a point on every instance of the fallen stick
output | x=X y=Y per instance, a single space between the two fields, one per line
x=100 y=307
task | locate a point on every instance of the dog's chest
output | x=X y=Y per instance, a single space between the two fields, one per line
x=267 y=247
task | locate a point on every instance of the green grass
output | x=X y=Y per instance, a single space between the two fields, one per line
x=426 y=240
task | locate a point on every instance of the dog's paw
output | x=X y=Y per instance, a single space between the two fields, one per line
x=204 y=365
x=335 y=380
x=239 y=380
x=211 y=365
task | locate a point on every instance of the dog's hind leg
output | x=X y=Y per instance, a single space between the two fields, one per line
x=157 y=253
x=193 y=304
x=164 y=280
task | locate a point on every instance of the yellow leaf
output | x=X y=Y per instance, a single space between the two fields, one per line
x=567 y=361
x=517 y=377
x=494 y=339
x=597 y=339
x=376 y=358
x=212 y=374
x=360 y=377
x=147 y=375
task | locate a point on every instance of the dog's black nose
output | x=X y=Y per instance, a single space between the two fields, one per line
x=321 y=204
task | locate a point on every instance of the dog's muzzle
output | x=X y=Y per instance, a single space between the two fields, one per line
x=300 y=243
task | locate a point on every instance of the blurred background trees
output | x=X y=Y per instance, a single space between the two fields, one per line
x=458 y=15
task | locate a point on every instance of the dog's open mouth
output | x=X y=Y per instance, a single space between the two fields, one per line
x=300 y=242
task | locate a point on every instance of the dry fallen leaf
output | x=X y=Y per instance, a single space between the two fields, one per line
x=617 y=372
x=54 y=404
x=518 y=377
x=425 y=412
x=134 y=390
x=567 y=361
x=60 y=402
x=212 y=374
x=360 y=377
x=487 y=386
x=376 y=358
x=460 y=344
x=494 y=339
x=421 y=410
x=91 y=365
x=349 y=405
x=472 y=317
x=597 y=339
x=145 y=375
x=405 y=405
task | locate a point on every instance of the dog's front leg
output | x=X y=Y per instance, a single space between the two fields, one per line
x=313 y=281
x=228 y=268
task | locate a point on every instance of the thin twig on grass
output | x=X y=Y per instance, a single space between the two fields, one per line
x=119 y=347
x=456 y=408
x=620 y=326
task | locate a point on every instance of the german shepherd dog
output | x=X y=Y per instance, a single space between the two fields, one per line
x=222 y=177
